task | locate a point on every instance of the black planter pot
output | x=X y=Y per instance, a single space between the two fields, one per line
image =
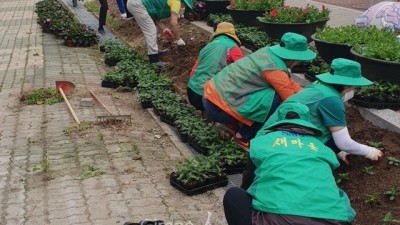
x=234 y=169
x=110 y=62
x=216 y=6
x=246 y=17
x=198 y=188
x=374 y=105
x=146 y=104
x=329 y=51
x=109 y=84
x=276 y=30
x=376 y=69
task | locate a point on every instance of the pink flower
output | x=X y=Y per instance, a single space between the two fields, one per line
x=274 y=12
x=305 y=10
x=323 y=8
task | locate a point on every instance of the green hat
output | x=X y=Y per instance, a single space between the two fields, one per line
x=303 y=112
x=293 y=47
x=344 y=72
x=189 y=3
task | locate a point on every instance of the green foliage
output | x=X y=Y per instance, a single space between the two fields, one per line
x=342 y=177
x=253 y=35
x=384 y=90
x=286 y=14
x=198 y=169
x=368 y=170
x=392 y=193
x=46 y=96
x=254 y=4
x=372 y=199
x=43 y=166
x=388 y=219
x=374 y=144
x=217 y=18
x=90 y=170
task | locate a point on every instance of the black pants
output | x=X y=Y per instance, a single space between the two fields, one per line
x=237 y=206
x=195 y=99
x=103 y=13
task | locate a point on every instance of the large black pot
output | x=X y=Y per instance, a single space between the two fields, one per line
x=376 y=69
x=216 y=6
x=329 y=51
x=246 y=17
x=276 y=30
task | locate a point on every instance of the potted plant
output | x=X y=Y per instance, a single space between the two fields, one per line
x=214 y=19
x=379 y=56
x=246 y=12
x=198 y=175
x=252 y=38
x=299 y=20
x=380 y=95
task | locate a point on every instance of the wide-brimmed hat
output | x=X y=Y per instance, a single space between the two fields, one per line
x=189 y=3
x=302 y=111
x=293 y=47
x=344 y=72
x=227 y=29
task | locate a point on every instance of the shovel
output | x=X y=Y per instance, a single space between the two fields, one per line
x=67 y=87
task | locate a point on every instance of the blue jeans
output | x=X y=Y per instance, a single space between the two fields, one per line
x=214 y=113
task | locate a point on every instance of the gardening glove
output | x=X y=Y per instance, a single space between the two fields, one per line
x=182 y=13
x=179 y=42
x=342 y=155
x=373 y=153
x=167 y=34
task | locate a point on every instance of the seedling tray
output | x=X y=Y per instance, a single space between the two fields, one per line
x=146 y=104
x=375 y=105
x=197 y=147
x=234 y=169
x=201 y=189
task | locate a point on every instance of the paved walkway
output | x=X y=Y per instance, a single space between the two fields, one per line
x=129 y=164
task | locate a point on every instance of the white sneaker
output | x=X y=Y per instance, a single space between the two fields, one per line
x=123 y=15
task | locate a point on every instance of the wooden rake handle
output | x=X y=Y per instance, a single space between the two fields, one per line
x=69 y=106
x=101 y=103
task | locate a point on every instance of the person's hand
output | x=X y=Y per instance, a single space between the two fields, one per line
x=374 y=154
x=343 y=156
x=167 y=34
x=179 y=42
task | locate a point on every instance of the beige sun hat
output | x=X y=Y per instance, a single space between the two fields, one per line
x=227 y=29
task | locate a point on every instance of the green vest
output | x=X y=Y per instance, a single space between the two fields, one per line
x=157 y=9
x=242 y=86
x=293 y=176
x=212 y=59
x=310 y=96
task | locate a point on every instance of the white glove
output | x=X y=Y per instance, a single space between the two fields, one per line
x=182 y=13
x=179 y=42
x=343 y=156
x=374 y=154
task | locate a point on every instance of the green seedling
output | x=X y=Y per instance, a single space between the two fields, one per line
x=393 y=161
x=372 y=199
x=342 y=177
x=388 y=219
x=374 y=144
x=392 y=193
x=368 y=170
x=44 y=166
x=90 y=171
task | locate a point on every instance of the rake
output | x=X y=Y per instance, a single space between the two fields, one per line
x=111 y=118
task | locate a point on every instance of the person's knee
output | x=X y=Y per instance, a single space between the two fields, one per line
x=231 y=194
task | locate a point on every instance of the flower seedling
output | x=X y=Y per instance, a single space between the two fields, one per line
x=368 y=170
x=374 y=144
x=342 y=177
x=372 y=199
x=393 y=161
x=392 y=193
x=388 y=219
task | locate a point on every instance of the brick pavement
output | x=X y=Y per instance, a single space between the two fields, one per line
x=133 y=161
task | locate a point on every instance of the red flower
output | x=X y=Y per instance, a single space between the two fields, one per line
x=233 y=5
x=305 y=10
x=286 y=7
x=323 y=8
x=274 y=12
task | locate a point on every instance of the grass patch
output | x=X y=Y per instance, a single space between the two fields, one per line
x=41 y=96
x=76 y=128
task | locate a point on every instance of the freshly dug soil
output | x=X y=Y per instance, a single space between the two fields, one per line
x=359 y=185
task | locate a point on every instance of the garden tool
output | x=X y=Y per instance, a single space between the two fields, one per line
x=67 y=87
x=110 y=117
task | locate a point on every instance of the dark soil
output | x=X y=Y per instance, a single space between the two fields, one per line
x=359 y=185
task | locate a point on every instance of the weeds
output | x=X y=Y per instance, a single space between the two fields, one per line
x=43 y=166
x=374 y=144
x=41 y=96
x=77 y=128
x=388 y=219
x=90 y=171
x=393 y=161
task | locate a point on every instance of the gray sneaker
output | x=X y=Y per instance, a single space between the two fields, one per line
x=161 y=64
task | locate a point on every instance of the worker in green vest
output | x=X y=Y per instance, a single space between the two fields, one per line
x=222 y=50
x=294 y=183
x=148 y=13
x=325 y=99
x=246 y=92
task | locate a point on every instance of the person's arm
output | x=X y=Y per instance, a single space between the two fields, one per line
x=234 y=54
x=248 y=174
x=175 y=26
x=282 y=83
x=333 y=116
